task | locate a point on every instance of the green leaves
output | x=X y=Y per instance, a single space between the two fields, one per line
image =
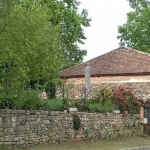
x=38 y=39
x=135 y=33
x=66 y=15
x=29 y=46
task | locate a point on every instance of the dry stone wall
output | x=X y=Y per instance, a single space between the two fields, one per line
x=76 y=91
x=23 y=127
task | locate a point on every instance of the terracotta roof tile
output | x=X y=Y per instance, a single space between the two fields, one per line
x=121 y=61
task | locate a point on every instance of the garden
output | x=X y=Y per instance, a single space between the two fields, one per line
x=104 y=100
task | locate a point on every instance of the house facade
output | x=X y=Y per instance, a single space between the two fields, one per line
x=121 y=67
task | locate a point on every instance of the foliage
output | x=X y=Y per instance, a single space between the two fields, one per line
x=98 y=107
x=126 y=101
x=52 y=105
x=104 y=96
x=67 y=16
x=28 y=100
x=51 y=90
x=5 y=104
x=29 y=46
x=76 y=122
x=135 y=33
x=38 y=39
x=91 y=105
x=83 y=105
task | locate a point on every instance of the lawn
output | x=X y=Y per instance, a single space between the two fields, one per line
x=114 y=144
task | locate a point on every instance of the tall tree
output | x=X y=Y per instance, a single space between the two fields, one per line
x=66 y=15
x=37 y=39
x=135 y=33
x=29 y=45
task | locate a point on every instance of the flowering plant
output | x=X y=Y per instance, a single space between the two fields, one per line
x=126 y=101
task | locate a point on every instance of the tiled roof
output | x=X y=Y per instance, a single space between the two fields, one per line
x=120 y=61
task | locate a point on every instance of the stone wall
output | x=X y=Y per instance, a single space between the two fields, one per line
x=76 y=91
x=20 y=127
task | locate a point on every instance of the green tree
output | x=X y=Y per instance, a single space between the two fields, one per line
x=37 y=39
x=135 y=33
x=30 y=49
x=66 y=15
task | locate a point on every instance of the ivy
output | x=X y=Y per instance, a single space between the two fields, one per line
x=76 y=122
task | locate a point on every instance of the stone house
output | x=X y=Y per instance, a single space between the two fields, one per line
x=121 y=67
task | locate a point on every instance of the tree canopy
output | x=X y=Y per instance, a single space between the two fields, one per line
x=135 y=33
x=66 y=15
x=29 y=45
x=38 y=38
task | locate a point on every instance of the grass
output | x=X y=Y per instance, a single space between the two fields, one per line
x=57 y=105
x=114 y=144
x=52 y=105
x=33 y=102
x=98 y=107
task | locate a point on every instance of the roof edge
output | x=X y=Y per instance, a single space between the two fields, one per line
x=104 y=75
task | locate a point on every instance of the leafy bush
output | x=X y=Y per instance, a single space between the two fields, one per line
x=6 y=103
x=104 y=96
x=28 y=100
x=83 y=105
x=126 y=101
x=52 y=105
x=76 y=122
x=51 y=90
x=93 y=106
x=98 y=107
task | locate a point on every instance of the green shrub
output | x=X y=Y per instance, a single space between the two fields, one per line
x=104 y=96
x=83 y=105
x=52 y=105
x=6 y=103
x=51 y=90
x=76 y=122
x=28 y=100
x=98 y=107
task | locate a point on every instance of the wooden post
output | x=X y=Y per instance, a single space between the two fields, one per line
x=142 y=117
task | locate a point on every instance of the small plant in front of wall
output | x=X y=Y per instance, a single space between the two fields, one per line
x=76 y=122
x=104 y=96
x=87 y=133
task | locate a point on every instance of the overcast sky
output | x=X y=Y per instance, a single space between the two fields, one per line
x=106 y=16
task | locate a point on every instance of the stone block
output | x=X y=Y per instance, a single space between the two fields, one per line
x=5 y=119
x=0 y=119
x=21 y=111
x=13 y=111
x=7 y=125
x=27 y=112
x=73 y=110
x=14 y=124
x=7 y=143
x=1 y=139
x=15 y=139
x=14 y=119
x=7 y=138
x=22 y=123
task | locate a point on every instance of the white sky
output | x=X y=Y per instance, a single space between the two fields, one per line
x=106 y=16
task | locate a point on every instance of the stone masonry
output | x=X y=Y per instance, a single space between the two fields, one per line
x=24 y=127
x=77 y=91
